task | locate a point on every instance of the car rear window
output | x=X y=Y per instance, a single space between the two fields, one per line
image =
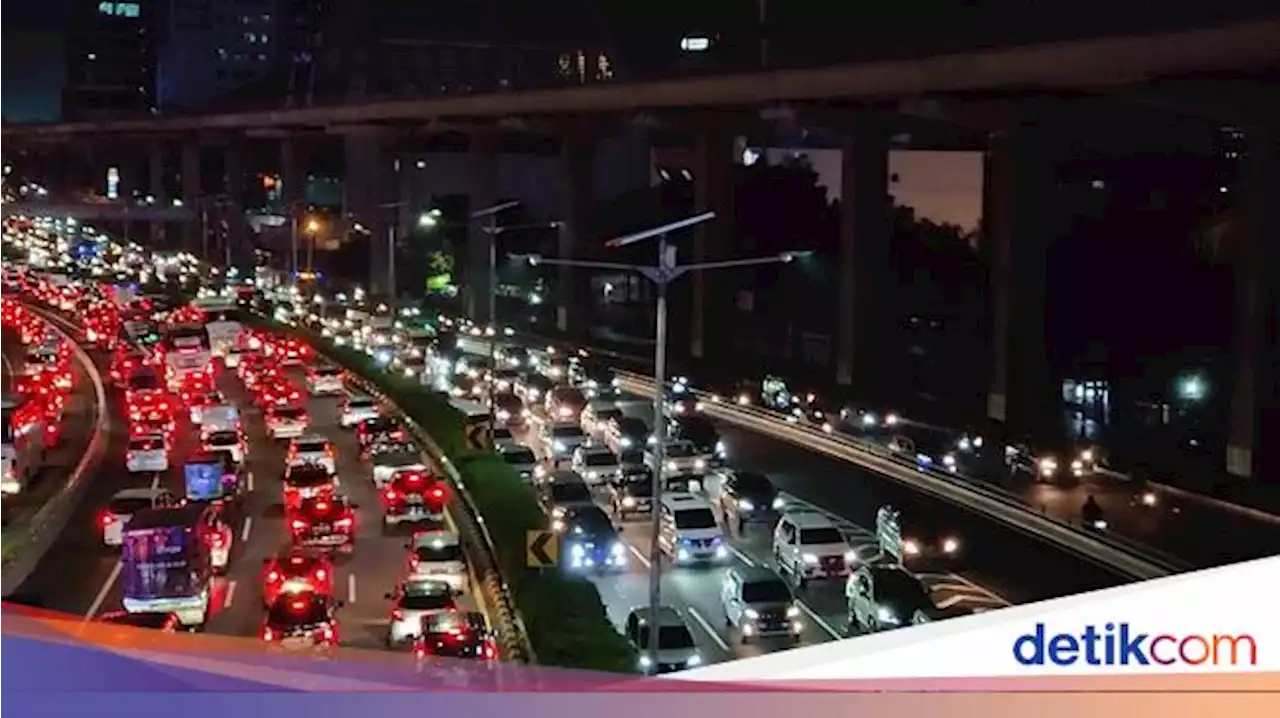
x=145 y=444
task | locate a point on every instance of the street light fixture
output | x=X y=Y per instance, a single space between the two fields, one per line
x=666 y=271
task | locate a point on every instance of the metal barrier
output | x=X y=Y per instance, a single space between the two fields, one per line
x=47 y=522
x=473 y=531
x=1109 y=551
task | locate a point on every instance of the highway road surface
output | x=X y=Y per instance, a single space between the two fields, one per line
x=81 y=576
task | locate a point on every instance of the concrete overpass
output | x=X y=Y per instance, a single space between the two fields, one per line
x=1099 y=65
x=109 y=211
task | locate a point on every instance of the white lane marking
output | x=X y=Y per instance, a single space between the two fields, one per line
x=742 y=556
x=250 y=486
x=155 y=480
x=244 y=532
x=818 y=619
x=102 y=592
x=706 y=626
x=640 y=556
x=231 y=594
x=351 y=588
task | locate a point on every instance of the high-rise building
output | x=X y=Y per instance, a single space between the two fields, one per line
x=110 y=59
x=212 y=48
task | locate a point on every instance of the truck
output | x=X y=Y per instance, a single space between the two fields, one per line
x=165 y=563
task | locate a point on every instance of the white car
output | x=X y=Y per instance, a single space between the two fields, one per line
x=688 y=532
x=521 y=459
x=287 y=422
x=437 y=556
x=385 y=465
x=560 y=440
x=809 y=545
x=312 y=449
x=596 y=417
x=123 y=505
x=229 y=441
x=147 y=454
x=413 y=601
x=595 y=464
x=355 y=409
x=682 y=457
x=325 y=380
x=223 y=417
x=197 y=410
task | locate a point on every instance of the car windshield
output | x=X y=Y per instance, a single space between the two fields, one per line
x=326 y=371
x=519 y=458
x=222 y=438
x=632 y=426
x=567 y=432
x=767 y=591
x=631 y=456
x=438 y=552
x=293 y=610
x=423 y=600
x=146 y=444
x=826 y=534
x=599 y=458
x=128 y=506
x=593 y=524
x=308 y=476
x=312 y=447
x=288 y=412
x=669 y=637
x=361 y=403
x=565 y=492
x=897 y=585
x=681 y=450
x=695 y=519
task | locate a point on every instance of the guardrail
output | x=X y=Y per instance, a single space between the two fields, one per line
x=49 y=520
x=1109 y=551
x=511 y=629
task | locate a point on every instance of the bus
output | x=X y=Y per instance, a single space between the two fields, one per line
x=222 y=322
x=22 y=444
x=165 y=563
x=187 y=355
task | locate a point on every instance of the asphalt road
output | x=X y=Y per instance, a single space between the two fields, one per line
x=80 y=576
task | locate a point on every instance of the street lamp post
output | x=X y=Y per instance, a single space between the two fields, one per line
x=666 y=271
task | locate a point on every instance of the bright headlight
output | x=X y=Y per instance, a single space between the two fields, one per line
x=751 y=613
x=578 y=551
x=886 y=616
x=745 y=505
x=628 y=501
x=910 y=547
x=950 y=545
x=850 y=557
x=694 y=660
x=793 y=611
x=779 y=503
x=810 y=559
x=618 y=549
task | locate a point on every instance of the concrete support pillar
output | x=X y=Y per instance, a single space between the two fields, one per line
x=484 y=194
x=192 y=191
x=1017 y=205
x=369 y=197
x=294 y=161
x=713 y=191
x=864 y=256
x=577 y=233
x=1253 y=449
x=155 y=187
x=233 y=182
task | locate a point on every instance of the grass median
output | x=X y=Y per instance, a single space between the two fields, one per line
x=563 y=614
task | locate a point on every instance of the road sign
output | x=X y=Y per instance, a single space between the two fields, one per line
x=541 y=549
x=889 y=532
x=478 y=435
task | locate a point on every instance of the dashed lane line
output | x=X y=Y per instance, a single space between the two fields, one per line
x=818 y=619
x=244 y=531
x=706 y=626
x=231 y=594
x=102 y=592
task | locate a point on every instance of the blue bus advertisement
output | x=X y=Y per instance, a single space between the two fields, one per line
x=204 y=480
x=165 y=569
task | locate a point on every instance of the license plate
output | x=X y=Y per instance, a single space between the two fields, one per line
x=321 y=529
x=295 y=644
x=413 y=500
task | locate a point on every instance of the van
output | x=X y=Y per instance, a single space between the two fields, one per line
x=688 y=532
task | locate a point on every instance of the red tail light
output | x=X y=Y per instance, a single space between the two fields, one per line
x=397 y=615
x=106 y=518
x=298 y=524
x=490 y=651
x=390 y=495
x=273 y=576
x=321 y=574
x=342 y=524
x=437 y=493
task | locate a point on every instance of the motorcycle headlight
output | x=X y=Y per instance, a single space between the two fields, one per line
x=751 y=613
x=779 y=503
x=628 y=501
x=950 y=545
x=1087 y=456
x=949 y=460
x=721 y=449
x=793 y=611
x=809 y=559
x=645 y=661
x=910 y=547
x=745 y=505
x=850 y=557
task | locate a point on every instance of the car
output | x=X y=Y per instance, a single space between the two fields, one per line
x=278 y=393
x=627 y=432
x=682 y=457
x=379 y=429
x=924 y=539
x=631 y=493
x=456 y=634
x=223 y=417
x=436 y=555
x=197 y=402
x=699 y=431
x=411 y=602
x=306 y=481
x=162 y=621
x=591 y=542
x=228 y=442
x=521 y=459
x=884 y=596
x=534 y=388
x=356 y=408
x=398 y=457
x=748 y=496
x=325 y=380
x=809 y=545
x=560 y=440
x=510 y=409
x=123 y=505
x=561 y=493
x=596 y=417
x=302 y=621
x=148 y=453
x=312 y=449
x=688 y=532
x=502 y=438
x=296 y=571
x=413 y=495
x=326 y=520
x=595 y=464
x=677 y=650
x=565 y=404
x=504 y=380
x=291 y=351
x=759 y=604
x=287 y=422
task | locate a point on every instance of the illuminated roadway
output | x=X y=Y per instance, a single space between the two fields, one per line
x=80 y=576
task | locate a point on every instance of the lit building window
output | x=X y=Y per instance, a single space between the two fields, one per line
x=120 y=9
x=604 y=67
x=695 y=44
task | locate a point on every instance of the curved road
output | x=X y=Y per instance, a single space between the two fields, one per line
x=80 y=576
